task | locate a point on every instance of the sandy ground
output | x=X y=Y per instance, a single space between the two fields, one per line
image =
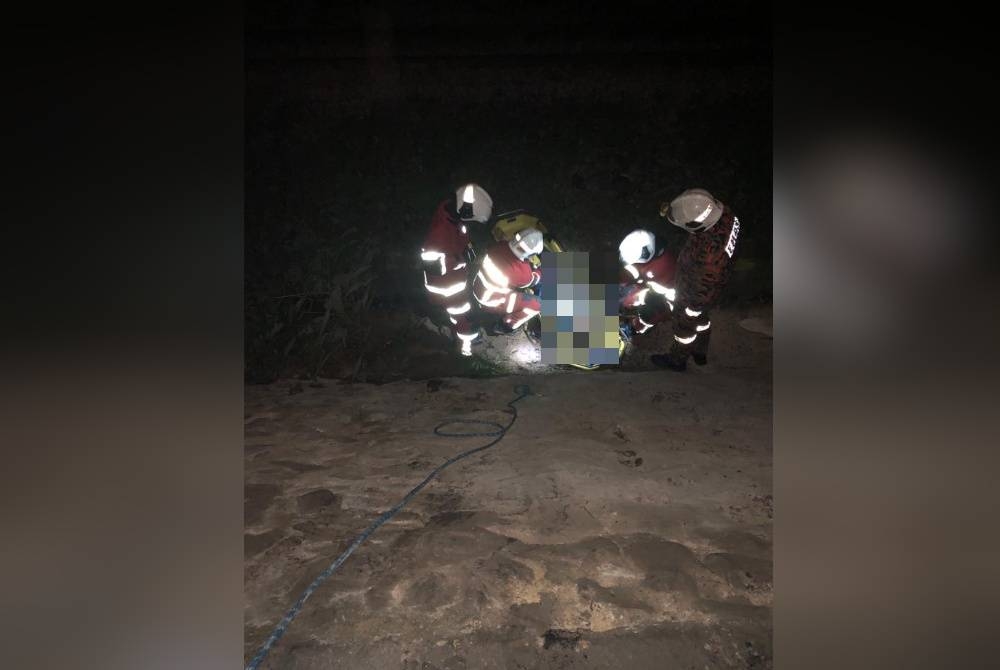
x=624 y=522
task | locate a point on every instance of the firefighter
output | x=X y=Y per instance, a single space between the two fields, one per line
x=504 y=275
x=446 y=255
x=646 y=283
x=703 y=268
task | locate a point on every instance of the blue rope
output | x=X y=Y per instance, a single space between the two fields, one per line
x=522 y=391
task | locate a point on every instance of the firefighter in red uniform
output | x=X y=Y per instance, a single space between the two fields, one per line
x=447 y=253
x=504 y=274
x=646 y=283
x=703 y=268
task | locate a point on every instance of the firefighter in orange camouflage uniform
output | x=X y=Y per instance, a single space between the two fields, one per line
x=703 y=269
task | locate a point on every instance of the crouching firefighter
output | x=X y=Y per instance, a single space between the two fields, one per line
x=703 y=269
x=503 y=276
x=447 y=254
x=646 y=285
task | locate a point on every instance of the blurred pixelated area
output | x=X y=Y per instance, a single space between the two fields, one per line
x=579 y=293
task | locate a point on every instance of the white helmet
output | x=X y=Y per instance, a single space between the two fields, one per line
x=473 y=203
x=527 y=242
x=638 y=247
x=693 y=210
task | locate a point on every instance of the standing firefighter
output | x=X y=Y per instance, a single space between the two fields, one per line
x=703 y=267
x=446 y=254
x=647 y=282
x=503 y=276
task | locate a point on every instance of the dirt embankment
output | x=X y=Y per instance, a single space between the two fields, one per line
x=625 y=521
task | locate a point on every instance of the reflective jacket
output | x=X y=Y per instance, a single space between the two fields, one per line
x=501 y=272
x=656 y=274
x=446 y=253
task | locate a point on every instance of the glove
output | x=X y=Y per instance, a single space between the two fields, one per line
x=626 y=332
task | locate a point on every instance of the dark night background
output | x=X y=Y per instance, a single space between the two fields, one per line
x=361 y=117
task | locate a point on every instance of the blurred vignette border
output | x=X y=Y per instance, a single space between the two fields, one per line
x=885 y=361
x=885 y=372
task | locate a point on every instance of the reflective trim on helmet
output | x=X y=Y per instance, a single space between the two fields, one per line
x=686 y=340
x=632 y=271
x=521 y=245
x=691 y=312
x=462 y=309
x=705 y=327
x=447 y=291
x=639 y=245
x=529 y=312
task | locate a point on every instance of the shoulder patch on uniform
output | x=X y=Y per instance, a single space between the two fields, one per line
x=731 y=244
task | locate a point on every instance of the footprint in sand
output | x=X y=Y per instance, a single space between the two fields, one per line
x=628 y=457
